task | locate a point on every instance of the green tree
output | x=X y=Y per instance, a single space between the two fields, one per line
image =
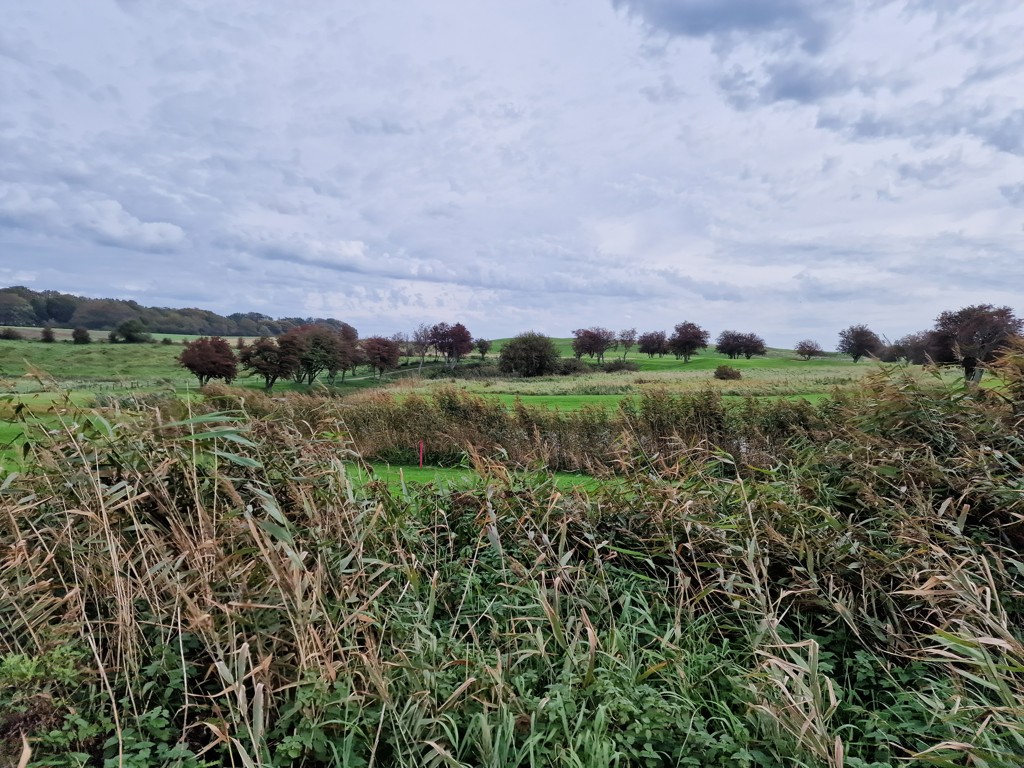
x=60 y=306
x=627 y=340
x=14 y=310
x=131 y=332
x=103 y=313
x=483 y=346
x=529 y=354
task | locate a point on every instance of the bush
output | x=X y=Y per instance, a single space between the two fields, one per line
x=81 y=336
x=570 y=366
x=47 y=336
x=9 y=334
x=130 y=332
x=727 y=372
x=618 y=365
x=529 y=354
x=166 y=341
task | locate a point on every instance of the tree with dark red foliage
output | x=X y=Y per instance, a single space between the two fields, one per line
x=859 y=341
x=914 y=348
x=452 y=341
x=652 y=343
x=808 y=348
x=269 y=360
x=321 y=349
x=209 y=358
x=979 y=331
x=593 y=342
x=380 y=353
x=751 y=344
x=687 y=340
x=729 y=343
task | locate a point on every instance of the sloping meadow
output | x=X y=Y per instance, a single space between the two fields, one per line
x=765 y=585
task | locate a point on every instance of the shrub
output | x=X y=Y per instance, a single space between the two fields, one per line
x=166 y=341
x=727 y=372
x=9 y=334
x=573 y=367
x=131 y=332
x=81 y=336
x=615 y=366
x=529 y=354
x=47 y=336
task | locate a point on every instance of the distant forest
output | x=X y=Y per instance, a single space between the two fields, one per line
x=21 y=306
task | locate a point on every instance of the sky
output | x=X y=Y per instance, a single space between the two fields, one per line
x=788 y=167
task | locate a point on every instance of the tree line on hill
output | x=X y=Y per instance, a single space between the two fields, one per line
x=21 y=306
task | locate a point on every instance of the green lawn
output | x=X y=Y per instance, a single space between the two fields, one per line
x=395 y=475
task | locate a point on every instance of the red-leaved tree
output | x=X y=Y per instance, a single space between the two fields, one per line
x=209 y=358
x=687 y=340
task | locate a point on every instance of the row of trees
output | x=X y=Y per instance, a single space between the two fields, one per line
x=301 y=354
x=687 y=339
x=313 y=350
x=971 y=336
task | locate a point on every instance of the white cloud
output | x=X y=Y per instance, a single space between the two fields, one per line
x=536 y=164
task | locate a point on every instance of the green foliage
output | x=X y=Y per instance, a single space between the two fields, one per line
x=529 y=354
x=130 y=332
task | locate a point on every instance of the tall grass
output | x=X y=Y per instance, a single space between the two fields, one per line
x=210 y=589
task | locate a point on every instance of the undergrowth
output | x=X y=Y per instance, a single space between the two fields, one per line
x=838 y=587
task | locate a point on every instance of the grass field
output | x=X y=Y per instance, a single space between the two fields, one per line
x=398 y=476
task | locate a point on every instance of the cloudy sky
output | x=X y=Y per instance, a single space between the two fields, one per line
x=784 y=166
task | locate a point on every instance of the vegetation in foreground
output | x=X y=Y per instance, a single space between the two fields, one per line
x=216 y=590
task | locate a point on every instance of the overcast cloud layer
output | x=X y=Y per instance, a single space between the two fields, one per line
x=784 y=166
